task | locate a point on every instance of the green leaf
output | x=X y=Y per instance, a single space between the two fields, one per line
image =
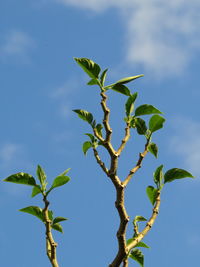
x=153 y=149
x=152 y=194
x=93 y=82
x=99 y=128
x=103 y=77
x=142 y=245
x=120 y=88
x=84 y=115
x=59 y=219
x=156 y=123
x=175 y=173
x=139 y=219
x=59 y=181
x=137 y=255
x=129 y=241
x=158 y=176
x=50 y=214
x=129 y=106
x=21 y=178
x=65 y=172
x=86 y=146
x=41 y=176
x=57 y=227
x=146 y=110
x=89 y=66
x=91 y=136
x=140 y=125
x=129 y=79
x=35 y=211
x=36 y=190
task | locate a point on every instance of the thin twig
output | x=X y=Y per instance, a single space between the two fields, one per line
x=138 y=164
x=50 y=243
x=125 y=139
x=100 y=162
x=148 y=226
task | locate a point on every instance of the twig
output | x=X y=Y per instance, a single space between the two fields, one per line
x=100 y=162
x=148 y=226
x=50 y=243
x=138 y=164
x=125 y=139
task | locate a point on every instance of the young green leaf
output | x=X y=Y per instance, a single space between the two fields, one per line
x=84 y=115
x=86 y=146
x=158 y=176
x=65 y=172
x=153 y=149
x=99 y=128
x=36 y=190
x=129 y=79
x=93 y=82
x=41 y=176
x=152 y=194
x=50 y=214
x=59 y=219
x=57 y=227
x=91 y=136
x=139 y=219
x=129 y=106
x=103 y=77
x=89 y=66
x=35 y=211
x=21 y=178
x=175 y=173
x=59 y=181
x=140 y=126
x=146 y=110
x=137 y=255
x=142 y=245
x=120 y=88
x=156 y=123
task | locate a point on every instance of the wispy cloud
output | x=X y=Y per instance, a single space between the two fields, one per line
x=62 y=95
x=163 y=36
x=13 y=159
x=16 y=45
x=186 y=143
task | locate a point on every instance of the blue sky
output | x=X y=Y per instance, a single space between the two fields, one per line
x=41 y=84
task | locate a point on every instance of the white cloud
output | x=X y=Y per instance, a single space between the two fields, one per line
x=16 y=44
x=163 y=36
x=186 y=144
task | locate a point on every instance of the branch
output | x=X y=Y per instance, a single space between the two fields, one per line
x=106 y=112
x=138 y=164
x=125 y=139
x=148 y=226
x=100 y=162
x=50 y=243
x=121 y=233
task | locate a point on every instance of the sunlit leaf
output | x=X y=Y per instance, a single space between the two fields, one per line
x=142 y=245
x=137 y=255
x=89 y=66
x=120 y=88
x=103 y=77
x=156 y=123
x=146 y=110
x=158 y=176
x=129 y=79
x=36 y=190
x=84 y=115
x=129 y=106
x=152 y=194
x=59 y=181
x=41 y=175
x=21 y=178
x=86 y=146
x=139 y=218
x=57 y=227
x=175 y=173
x=153 y=149
x=93 y=82
x=59 y=219
x=35 y=211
